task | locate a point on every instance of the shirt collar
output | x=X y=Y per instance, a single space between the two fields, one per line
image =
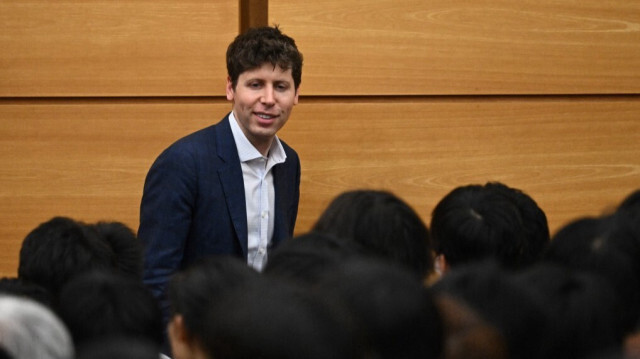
x=247 y=152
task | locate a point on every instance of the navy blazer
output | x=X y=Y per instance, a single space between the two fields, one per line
x=193 y=204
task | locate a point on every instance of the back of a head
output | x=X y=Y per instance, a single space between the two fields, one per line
x=466 y=334
x=383 y=224
x=28 y=330
x=59 y=249
x=193 y=290
x=102 y=305
x=476 y=222
x=125 y=245
x=118 y=348
x=631 y=204
x=501 y=301
x=22 y=289
x=396 y=310
x=534 y=221
x=271 y=319
x=583 y=317
x=609 y=247
x=307 y=257
x=4 y=354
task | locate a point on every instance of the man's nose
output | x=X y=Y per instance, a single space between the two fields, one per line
x=268 y=95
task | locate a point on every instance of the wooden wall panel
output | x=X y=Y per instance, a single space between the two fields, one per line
x=390 y=47
x=115 y=48
x=86 y=160
x=574 y=156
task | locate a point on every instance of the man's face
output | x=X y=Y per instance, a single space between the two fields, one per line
x=262 y=102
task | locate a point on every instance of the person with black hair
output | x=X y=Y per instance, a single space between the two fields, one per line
x=232 y=188
x=500 y=301
x=583 y=315
x=272 y=319
x=125 y=245
x=607 y=246
x=192 y=291
x=307 y=257
x=383 y=224
x=60 y=249
x=118 y=348
x=395 y=310
x=491 y=221
x=102 y=305
x=19 y=288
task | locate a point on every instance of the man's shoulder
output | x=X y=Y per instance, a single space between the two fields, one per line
x=200 y=139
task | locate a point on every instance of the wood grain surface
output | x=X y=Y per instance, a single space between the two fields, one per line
x=85 y=160
x=115 y=48
x=575 y=156
x=384 y=47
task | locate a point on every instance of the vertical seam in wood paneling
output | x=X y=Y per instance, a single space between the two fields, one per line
x=253 y=13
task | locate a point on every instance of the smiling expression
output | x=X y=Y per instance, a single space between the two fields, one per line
x=262 y=102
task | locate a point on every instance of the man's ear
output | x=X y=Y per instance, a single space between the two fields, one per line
x=230 y=90
x=176 y=328
x=441 y=265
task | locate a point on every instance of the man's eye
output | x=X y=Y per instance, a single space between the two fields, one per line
x=254 y=84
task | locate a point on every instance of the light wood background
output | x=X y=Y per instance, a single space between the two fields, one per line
x=410 y=96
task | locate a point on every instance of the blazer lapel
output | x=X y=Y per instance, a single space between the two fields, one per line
x=232 y=183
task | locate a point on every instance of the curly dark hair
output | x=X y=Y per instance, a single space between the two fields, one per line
x=261 y=45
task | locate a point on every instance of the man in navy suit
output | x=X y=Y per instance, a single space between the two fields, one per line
x=231 y=188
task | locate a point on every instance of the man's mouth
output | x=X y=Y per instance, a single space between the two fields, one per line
x=265 y=116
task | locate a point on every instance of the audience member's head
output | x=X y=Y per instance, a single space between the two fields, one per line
x=631 y=203
x=125 y=245
x=102 y=305
x=29 y=330
x=118 y=348
x=583 y=317
x=307 y=257
x=607 y=246
x=192 y=291
x=59 y=249
x=383 y=224
x=396 y=311
x=491 y=221
x=501 y=301
x=4 y=354
x=19 y=288
x=467 y=335
x=534 y=221
x=271 y=319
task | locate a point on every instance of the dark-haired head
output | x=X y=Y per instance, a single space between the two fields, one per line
x=105 y=304
x=125 y=245
x=385 y=226
x=583 y=315
x=495 y=295
x=609 y=247
x=60 y=249
x=307 y=257
x=396 y=311
x=203 y=284
x=261 y=45
x=491 y=221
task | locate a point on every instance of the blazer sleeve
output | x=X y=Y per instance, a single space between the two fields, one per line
x=165 y=217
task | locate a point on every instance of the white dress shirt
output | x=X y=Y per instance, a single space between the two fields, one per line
x=258 y=191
